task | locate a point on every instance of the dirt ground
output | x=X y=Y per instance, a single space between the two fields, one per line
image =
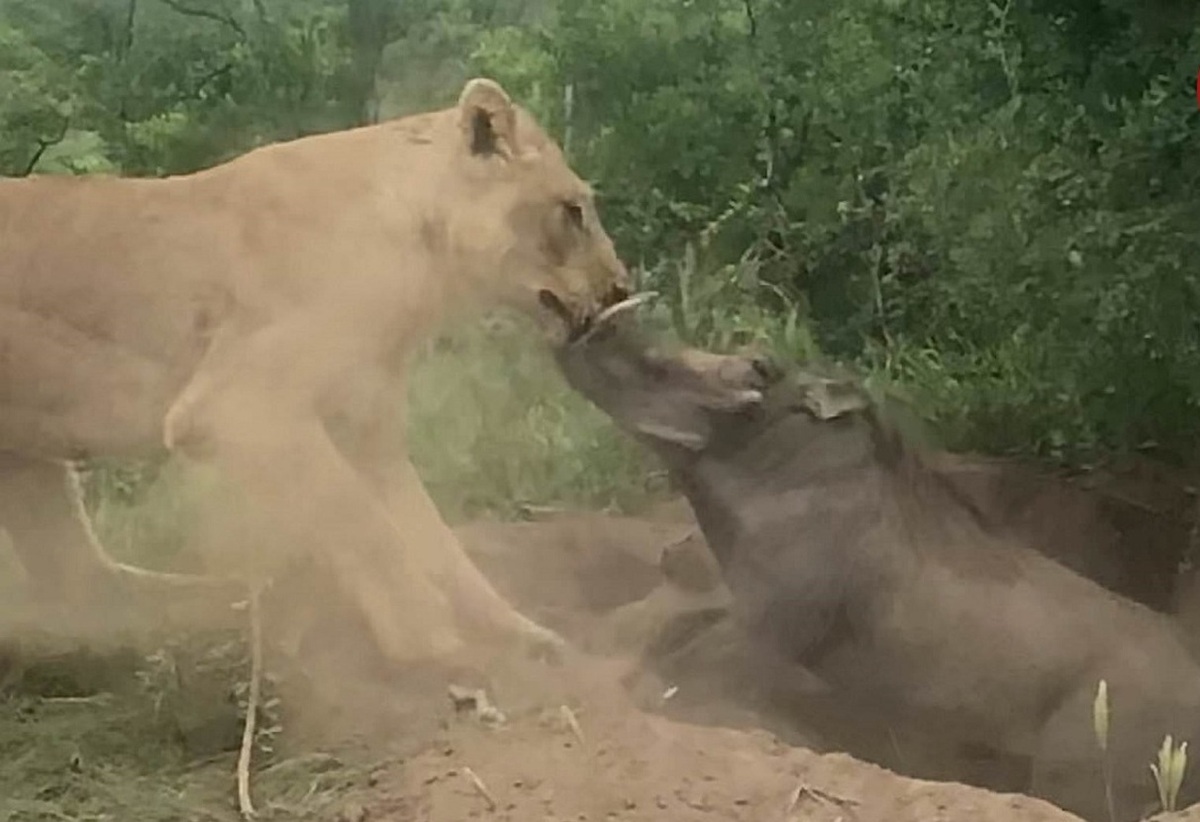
x=628 y=765
x=599 y=736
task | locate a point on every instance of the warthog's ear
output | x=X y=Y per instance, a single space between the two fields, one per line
x=487 y=118
x=828 y=399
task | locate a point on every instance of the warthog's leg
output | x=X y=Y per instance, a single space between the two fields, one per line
x=41 y=507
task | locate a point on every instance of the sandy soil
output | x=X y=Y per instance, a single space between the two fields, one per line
x=627 y=765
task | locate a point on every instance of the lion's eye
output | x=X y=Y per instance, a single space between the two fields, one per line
x=574 y=214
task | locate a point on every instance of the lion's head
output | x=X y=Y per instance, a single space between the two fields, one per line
x=548 y=253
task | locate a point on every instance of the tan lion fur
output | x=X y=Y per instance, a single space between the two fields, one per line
x=233 y=313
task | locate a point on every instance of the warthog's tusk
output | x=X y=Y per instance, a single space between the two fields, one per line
x=612 y=311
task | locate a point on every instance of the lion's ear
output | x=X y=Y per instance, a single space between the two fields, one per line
x=487 y=118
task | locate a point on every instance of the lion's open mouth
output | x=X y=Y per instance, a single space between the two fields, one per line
x=581 y=330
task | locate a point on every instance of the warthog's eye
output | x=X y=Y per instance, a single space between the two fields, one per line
x=574 y=214
x=655 y=366
x=767 y=369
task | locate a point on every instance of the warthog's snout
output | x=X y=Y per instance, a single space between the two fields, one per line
x=733 y=380
x=669 y=396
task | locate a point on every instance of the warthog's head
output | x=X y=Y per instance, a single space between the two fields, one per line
x=674 y=398
x=686 y=401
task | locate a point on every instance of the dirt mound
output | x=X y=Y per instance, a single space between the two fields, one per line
x=627 y=765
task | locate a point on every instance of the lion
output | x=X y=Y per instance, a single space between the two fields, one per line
x=233 y=315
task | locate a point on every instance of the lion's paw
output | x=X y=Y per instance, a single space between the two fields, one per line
x=543 y=644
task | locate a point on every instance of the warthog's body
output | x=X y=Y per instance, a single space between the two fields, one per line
x=849 y=556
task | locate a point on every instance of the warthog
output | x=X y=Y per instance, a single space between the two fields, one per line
x=846 y=553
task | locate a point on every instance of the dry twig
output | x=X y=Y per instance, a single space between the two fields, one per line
x=803 y=791
x=481 y=788
x=572 y=723
x=245 y=805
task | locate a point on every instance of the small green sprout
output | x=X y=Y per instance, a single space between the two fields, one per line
x=1168 y=772
x=1100 y=716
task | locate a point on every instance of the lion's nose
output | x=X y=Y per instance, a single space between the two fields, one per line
x=616 y=294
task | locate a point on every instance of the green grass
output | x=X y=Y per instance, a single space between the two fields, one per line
x=493 y=427
x=76 y=761
x=115 y=759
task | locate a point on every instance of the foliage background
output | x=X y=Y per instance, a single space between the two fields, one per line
x=993 y=208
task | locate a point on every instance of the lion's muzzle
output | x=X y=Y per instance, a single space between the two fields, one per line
x=580 y=322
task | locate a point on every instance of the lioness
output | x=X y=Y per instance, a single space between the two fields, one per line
x=233 y=313
x=847 y=554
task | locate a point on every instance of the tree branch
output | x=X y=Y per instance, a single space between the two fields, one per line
x=207 y=14
x=261 y=10
x=43 y=144
x=203 y=82
x=130 y=13
x=750 y=16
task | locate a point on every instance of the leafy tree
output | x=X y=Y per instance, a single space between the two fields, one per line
x=992 y=208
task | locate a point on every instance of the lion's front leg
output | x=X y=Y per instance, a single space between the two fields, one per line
x=296 y=497
x=370 y=416
x=477 y=603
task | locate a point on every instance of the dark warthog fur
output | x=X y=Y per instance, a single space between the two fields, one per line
x=851 y=557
